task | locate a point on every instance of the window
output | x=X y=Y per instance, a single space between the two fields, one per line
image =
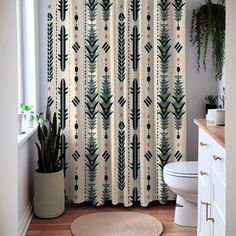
x=27 y=70
x=26 y=52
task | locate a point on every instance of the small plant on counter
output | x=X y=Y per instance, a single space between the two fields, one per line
x=211 y=99
x=211 y=102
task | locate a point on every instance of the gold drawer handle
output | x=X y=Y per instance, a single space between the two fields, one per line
x=211 y=219
x=204 y=203
x=217 y=158
x=207 y=204
x=203 y=173
x=203 y=144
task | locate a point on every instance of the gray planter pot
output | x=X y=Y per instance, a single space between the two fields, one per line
x=49 y=196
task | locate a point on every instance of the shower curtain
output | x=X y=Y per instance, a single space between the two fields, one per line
x=116 y=78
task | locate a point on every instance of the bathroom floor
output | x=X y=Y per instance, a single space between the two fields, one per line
x=61 y=225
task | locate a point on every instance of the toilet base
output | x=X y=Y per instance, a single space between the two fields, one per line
x=185 y=212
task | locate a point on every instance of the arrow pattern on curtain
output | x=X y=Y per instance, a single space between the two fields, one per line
x=116 y=78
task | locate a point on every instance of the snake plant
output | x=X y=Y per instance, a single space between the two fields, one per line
x=48 y=147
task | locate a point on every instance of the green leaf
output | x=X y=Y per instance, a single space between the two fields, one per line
x=48 y=137
x=26 y=108
x=41 y=136
x=45 y=130
x=22 y=105
x=48 y=113
x=40 y=159
x=54 y=123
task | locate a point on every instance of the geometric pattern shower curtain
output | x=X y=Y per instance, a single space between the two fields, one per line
x=116 y=78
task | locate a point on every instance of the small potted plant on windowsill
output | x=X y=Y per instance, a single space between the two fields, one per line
x=49 y=197
x=28 y=114
x=211 y=102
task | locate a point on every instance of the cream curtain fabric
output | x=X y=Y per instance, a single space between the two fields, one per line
x=116 y=78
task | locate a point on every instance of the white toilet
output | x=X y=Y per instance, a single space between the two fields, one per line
x=182 y=178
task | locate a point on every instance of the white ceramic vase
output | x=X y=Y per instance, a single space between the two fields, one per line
x=30 y=121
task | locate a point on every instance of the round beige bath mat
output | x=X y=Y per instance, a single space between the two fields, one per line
x=116 y=224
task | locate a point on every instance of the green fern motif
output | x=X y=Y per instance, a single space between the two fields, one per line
x=178 y=102
x=106 y=193
x=91 y=49
x=178 y=8
x=92 y=163
x=106 y=102
x=92 y=102
x=164 y=9
x=164 y=150
x=164 y=95
x=92 y=9
x=164 y=102
x=106 y=11
x=164 y=193
x=164 y=156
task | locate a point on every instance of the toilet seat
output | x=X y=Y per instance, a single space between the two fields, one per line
x=187 y=169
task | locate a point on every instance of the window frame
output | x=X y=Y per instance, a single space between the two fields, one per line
x=27 y=52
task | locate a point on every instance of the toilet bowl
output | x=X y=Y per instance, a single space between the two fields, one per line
x=182 y=179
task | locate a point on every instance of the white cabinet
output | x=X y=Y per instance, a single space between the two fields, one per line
x=211 y=186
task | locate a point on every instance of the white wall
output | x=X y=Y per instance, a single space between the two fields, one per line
x=17 y=163
x=198 y=84
x=230 y=117
x=8 y=119
x=27 y=157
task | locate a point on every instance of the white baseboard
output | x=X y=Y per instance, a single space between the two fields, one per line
x=25 y=220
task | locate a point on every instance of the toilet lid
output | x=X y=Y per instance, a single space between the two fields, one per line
x=185 y=168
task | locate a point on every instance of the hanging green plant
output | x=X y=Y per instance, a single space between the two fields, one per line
x=208 y=23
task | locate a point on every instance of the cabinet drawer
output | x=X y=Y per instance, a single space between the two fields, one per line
x=218 y=160
x=204 y=196
x=219 y=195
x=204 y=152
x=218 y=227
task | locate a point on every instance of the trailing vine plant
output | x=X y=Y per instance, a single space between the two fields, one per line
x=208 y=23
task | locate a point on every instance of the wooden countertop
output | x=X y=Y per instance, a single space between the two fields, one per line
x=216 y=132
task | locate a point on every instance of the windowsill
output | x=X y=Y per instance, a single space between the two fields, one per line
x=26 y=135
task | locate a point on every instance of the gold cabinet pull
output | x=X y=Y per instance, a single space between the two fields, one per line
x=207 y=204
x=217 y=158
x=211 y=219
x=203 y=144
x=203 y=173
